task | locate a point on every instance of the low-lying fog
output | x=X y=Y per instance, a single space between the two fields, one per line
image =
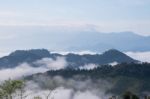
x=60 y=88
x=64 y=89
x=57 y=86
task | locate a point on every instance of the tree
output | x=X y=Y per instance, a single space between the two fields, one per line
x=129 y=95
x=9 y=87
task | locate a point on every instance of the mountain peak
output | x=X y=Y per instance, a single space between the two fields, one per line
x=23 y=56
x=118 y=56
x=37 y=52
x=113 y=51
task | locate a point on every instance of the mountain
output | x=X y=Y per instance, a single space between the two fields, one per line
x=95 y=41
x=74 y=60
x=99 y=41
x=21 y=56
x=107 y=57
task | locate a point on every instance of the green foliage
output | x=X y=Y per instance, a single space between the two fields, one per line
x=37 y=97
x=9 y=87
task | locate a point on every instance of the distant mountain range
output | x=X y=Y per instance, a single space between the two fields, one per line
x=100 y=42
x=74 y=60
x=125 y=41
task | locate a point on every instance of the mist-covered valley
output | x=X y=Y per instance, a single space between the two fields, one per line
x=75 y=76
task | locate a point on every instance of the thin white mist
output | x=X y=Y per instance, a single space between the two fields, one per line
x=66 y=88
x=26 y=69
x=141 y=56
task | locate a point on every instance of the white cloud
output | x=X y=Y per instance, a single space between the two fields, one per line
x=85 y=95
x=113 y=63
x=25 y=69
x=57 y=64
x=20 y=71
x=64 y=93
x=75 y=52
x=88 y=66
x=56 y=94
x=141 y=56
x=83 y=89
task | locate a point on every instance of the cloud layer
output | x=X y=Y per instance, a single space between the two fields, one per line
x=71 y=88
x=141 y=56
x=25 y=69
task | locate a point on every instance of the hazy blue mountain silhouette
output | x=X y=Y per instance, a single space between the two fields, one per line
x=74 y=60
x=107 y=57
x=99 y=42
x=21 y=56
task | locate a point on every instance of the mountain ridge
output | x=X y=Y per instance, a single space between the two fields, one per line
x=74 y=60
x=99 y=42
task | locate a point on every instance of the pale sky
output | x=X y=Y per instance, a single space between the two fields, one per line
x=104 y=15
x=29 y=17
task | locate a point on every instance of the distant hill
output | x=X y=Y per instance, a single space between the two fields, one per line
x=107 y=57
x=99 y=41
x=124 y=41
x=21 y=56
x=74 y=60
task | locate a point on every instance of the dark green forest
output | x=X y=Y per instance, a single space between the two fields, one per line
x=123 y=77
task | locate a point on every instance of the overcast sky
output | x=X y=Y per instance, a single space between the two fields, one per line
x=105 y=15
x=29 y=17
